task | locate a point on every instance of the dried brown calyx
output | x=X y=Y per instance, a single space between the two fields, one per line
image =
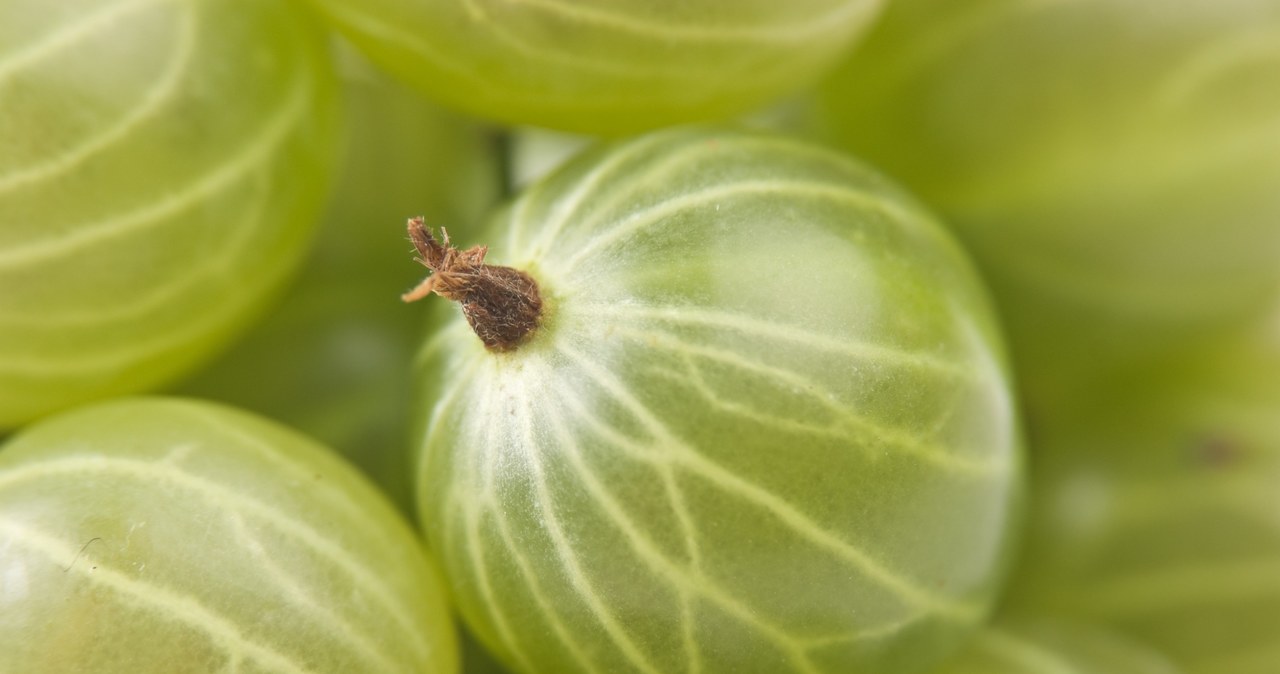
x=502 y=304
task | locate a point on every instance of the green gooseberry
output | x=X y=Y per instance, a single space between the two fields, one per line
x=743 y=408
x=169 y=535
x=1154 y=509
x=612 y=67
x=1113 y=166
x=163 y=162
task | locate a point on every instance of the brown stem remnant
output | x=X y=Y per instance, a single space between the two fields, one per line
x=502 y=304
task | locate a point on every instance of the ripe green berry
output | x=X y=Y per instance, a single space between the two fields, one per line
x=162 y=165
x=1112 y=165
x=1154 y=509
x=759 y=421
x=165 y=535
x=614 y=67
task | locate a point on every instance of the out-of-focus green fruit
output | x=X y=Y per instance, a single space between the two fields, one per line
x=532 y=153
x=1157 y=510
x=475 y=659
x=763 y=426
x=604 y=67
x=1114 y=166
x=155 y=535
x=1042 y=646
x=339 y=346
x=161 y=168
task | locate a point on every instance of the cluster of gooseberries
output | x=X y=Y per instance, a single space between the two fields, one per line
x=816 y=337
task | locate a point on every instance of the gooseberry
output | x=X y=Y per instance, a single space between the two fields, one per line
x=614 y=67
x=169 y=535
x=738 y=404
x=162 y=165
x=1112 y=166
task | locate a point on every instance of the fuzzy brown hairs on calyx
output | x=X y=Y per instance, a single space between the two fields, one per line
x=502 y=304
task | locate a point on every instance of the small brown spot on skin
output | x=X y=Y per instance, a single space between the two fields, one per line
x=502 y=304
x=1216 y=450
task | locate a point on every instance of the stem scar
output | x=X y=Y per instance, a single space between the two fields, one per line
x=502 y=304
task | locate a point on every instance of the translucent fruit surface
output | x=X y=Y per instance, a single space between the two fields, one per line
x=162 y=165
x=1155 y=510
x=155 y=535
x=613 y=66
x=1042 y=646
x=1112 y=165
x=764 y=427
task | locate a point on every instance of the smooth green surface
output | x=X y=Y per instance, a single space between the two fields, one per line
x=1044 y=646
x=765 y=427
x=166 y=535
x=163 y=162
x=1113 y=165
x=333 y=359
x=475 y=658
x=1155 y=510
x=532 y=153
x=608 y=66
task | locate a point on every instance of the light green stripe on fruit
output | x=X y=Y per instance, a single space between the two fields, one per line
x=181 y=607
x=341 y=629
x=259 y=151
x=162 y=91
x=849 y=424
x=709 y=196
x=51 y=371
x=547 y=608
x=685 y=582
x=797 y=336
x=71 y=34
x=587 y=188
x=1213 y=62
x=834 y=20
x=137 y=307
x=350 y=14
x=566 y=551
x=672 y=448
x=226 y=500
x=1007 y=647
x=567 y=61
x=334 y=495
